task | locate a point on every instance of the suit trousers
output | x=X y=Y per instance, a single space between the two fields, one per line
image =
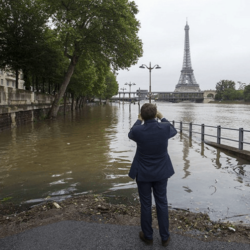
x=160 y=194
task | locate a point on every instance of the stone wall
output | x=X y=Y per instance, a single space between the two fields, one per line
x=5 y=121
x=10 y=96
x=21 y=117
x=40 y=114
x=43 y=98
x=18 y=96
x=18 y=106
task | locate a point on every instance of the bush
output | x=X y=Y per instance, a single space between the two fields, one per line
x=246 y=93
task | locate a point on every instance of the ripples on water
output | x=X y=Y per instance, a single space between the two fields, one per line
x=89 y=151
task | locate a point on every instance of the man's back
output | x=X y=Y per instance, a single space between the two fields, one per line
x=151 y=162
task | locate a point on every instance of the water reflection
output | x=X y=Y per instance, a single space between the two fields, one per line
x=129 y=115
x=218 y=164
x=187 y=112
x=187 y=143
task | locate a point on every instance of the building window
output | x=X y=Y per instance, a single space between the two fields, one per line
x=7 y=82
x=13 y=84
x=1 y=81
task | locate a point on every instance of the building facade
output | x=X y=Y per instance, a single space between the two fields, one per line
x=8 y=79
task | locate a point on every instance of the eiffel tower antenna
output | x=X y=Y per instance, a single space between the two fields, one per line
x=187 y=82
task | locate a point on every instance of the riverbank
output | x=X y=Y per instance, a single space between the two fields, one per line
x=231 y=102
x=99 y=209
x=244 y=154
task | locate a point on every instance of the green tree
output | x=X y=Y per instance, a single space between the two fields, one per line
x=88 y=78
x=51 y=64
x=224 y=87
x=239 y=94
x=229 y=94
x=242 y=85
x=107 y=30
x=111 y=86
x=246 y=93
x=22 y=24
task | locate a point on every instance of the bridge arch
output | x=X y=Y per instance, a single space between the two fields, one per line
x=209 y=94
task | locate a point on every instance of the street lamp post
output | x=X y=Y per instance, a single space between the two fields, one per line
x=123 y=93
x=139 y=95
x=149 y=68
x=129 y=84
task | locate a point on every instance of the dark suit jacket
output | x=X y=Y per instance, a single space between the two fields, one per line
x=151 y=161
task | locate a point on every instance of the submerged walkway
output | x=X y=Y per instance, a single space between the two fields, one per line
x=74 y=235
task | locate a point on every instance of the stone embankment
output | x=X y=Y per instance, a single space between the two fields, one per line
x=234 y=151
x=19 y=107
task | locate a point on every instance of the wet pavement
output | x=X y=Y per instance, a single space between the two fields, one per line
x=83 y=235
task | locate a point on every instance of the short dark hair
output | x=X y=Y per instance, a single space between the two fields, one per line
x=148 y=111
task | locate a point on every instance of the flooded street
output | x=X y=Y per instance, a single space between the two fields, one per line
x=89 y=151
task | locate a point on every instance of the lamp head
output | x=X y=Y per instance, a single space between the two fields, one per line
x=142 y=67
x=126 y=84
x=158 y=67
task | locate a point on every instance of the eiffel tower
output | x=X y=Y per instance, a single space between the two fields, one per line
x=187 y=82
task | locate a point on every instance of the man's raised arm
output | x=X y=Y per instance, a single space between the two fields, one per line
x=173 y=131
x=138 y=122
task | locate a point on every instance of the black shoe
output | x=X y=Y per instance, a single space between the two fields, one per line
x=165 y=242
x=147 y=241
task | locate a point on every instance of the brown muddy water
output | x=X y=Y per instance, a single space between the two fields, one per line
x=89 y=152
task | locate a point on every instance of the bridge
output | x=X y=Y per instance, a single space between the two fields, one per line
x=209 y=95
x=205 y=96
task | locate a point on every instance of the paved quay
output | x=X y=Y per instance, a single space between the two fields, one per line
x=76 y=235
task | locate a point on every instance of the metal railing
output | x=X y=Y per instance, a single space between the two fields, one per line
x=190 y=130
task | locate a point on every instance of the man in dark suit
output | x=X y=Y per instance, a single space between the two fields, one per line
x=152 y=167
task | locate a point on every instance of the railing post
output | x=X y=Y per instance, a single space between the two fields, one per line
x=173 y=123
x=202 y=132
x=218 y=134
x=180 y=127
x=241 y=131
x=190 y=129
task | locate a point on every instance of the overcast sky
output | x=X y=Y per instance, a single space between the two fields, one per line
x=219 y=42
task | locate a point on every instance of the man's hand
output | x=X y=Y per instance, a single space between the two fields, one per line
x=159 y=115
x=139 y=117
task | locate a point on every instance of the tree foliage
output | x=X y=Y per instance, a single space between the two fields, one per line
x=71 y=45
x=88 y=78
x=242 y=85
x=224 y=89
x=111 y=85
x=106 y=30
x=22 y=25
x=247 y=93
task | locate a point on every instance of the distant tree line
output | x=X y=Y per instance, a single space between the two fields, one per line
x=225 y=90
x=70 y=46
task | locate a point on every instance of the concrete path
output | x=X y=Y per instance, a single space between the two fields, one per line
x=76 y=235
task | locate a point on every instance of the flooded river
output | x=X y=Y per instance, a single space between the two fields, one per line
x=89 y=152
